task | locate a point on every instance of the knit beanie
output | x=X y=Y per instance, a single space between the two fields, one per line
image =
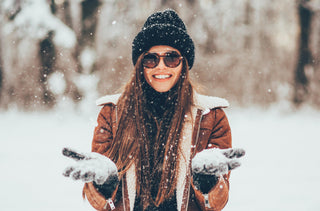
x=164 y=28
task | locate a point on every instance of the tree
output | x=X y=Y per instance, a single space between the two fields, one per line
x=307 y=76
x=245 y=50
x=34 y=43
x=304 y=54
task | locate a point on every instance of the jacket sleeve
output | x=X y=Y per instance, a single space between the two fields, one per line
x=103 y=134
x=219 y=137
x=101 y=142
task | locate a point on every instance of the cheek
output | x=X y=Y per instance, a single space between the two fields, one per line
x=178 y=75
x=146 y=75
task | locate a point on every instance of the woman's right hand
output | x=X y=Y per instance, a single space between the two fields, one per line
x=91 y=167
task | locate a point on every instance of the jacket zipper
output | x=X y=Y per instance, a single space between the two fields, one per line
x=206 y=200
x=122 y=179
x=123 y=188
x=194 y=150
x=110 y=203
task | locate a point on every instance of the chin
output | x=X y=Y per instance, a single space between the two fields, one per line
x=162 y=90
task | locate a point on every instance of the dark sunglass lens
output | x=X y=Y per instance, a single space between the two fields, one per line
x=172 y=59
x=150 y=61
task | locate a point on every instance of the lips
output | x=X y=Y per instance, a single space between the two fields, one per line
x=162 y=76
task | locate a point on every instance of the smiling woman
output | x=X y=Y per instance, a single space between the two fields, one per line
x=162 y=74
x=152 y=148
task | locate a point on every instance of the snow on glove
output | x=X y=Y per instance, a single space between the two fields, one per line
x=93 y=167
x=216 y=161
x=210 y=164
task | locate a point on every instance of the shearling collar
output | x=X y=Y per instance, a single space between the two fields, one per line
x=205 y=102
x=202 y=102
x=108 y=99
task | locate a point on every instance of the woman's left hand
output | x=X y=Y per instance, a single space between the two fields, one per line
x=216 y=161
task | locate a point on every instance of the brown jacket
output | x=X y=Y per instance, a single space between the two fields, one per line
x=207 y=127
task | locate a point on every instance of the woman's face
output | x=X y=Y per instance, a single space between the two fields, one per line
x=162 y=78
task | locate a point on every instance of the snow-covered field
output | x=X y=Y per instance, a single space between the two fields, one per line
x=281 y=170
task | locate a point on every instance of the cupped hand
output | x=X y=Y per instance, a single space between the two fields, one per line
x=216 y=161
x=90 y=167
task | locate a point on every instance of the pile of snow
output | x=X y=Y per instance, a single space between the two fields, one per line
x=280 y=170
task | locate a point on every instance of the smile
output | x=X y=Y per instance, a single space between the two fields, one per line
x=162 y=76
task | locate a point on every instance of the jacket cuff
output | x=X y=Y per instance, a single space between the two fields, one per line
x=96 y=199
x=217 y=197
x=108 y=187
x=204 y=182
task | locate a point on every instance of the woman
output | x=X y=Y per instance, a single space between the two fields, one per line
x=159 y=145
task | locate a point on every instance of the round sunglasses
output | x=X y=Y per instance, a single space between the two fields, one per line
x=171 y=59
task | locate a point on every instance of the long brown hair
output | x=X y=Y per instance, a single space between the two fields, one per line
x=131 y=141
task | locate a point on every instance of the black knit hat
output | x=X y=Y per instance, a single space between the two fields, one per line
x=164 y=28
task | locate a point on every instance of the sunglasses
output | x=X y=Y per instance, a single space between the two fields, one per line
x=171 y=59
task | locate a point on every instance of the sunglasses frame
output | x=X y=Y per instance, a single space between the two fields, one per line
x=164 y=60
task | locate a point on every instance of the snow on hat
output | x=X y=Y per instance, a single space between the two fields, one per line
x=164 y=28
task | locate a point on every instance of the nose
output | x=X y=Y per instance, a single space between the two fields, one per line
x=161 y=64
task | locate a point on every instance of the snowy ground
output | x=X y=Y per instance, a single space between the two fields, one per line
x=280 y=172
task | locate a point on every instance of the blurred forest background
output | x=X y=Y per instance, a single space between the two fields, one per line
x=251 y=52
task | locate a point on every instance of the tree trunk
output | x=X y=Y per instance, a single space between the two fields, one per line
x=301 y=90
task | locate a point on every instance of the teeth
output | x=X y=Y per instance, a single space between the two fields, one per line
x=161 y=76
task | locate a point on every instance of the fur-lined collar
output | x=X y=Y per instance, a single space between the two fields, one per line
x=108 y=99
x=202 y=102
